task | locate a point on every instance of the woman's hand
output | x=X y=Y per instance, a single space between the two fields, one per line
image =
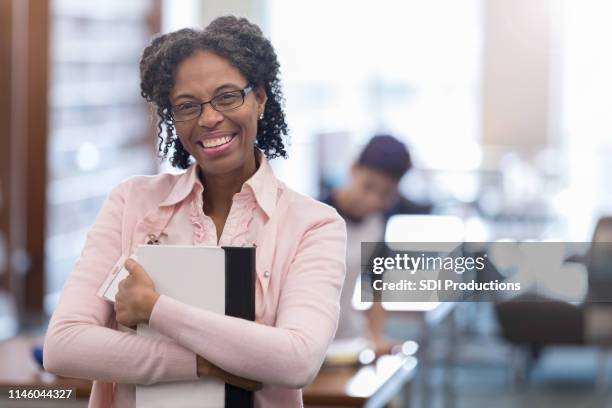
x=136 y=296
x=208 y=369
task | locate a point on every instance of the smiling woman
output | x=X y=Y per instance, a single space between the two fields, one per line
x=220 y=137
x=170 y=76
x=217 y=94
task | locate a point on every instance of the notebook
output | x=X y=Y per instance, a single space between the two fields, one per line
x=217 y=279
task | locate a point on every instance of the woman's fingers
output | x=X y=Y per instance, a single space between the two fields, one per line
x=243 y=383
x=205 y=367
x=239 y=382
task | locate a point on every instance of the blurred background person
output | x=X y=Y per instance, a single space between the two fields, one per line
x=365 y=202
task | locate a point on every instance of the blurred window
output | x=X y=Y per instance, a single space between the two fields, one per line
x=100 y=131
x=408 y=67
x=586 y=119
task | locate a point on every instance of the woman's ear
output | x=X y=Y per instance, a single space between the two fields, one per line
x=261 y=97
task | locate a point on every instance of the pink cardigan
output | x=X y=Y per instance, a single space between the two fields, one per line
x=300 y=269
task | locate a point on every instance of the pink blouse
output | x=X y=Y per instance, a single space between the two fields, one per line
x=300 y=267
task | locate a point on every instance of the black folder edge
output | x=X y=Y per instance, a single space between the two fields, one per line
x=239 y=302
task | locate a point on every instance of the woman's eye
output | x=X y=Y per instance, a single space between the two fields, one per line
x=226 y=98
x=186 y=106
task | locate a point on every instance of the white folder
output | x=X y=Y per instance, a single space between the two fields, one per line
x=195 y=276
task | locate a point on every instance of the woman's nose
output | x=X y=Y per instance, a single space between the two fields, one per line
x=209 y=118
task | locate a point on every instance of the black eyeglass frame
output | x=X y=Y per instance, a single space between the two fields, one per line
x=243 y=92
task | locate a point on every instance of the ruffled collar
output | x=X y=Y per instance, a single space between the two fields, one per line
x=262 y=186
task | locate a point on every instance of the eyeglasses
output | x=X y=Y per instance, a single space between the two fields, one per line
x=221 y=103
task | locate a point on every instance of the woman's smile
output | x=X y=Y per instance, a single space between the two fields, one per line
x=216 y=143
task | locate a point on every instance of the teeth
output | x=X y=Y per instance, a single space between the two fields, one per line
x=216 y=142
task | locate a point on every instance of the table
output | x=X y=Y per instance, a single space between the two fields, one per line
x=370 y=386
x=429 y=315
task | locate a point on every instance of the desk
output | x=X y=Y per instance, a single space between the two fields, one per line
x=18 y=369
x=371 y=386
x=429 y=315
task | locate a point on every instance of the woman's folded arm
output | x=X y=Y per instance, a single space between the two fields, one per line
x=78 y=343
x=289 y=354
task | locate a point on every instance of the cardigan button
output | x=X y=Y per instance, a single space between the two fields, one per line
x=266 y=274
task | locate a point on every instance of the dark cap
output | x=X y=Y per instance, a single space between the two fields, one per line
x=386 y=154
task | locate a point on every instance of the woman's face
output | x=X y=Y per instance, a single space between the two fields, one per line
x=220 y=142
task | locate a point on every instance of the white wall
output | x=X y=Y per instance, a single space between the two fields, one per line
x=520 y=63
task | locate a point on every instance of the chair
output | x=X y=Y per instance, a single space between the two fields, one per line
x=535 y=322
